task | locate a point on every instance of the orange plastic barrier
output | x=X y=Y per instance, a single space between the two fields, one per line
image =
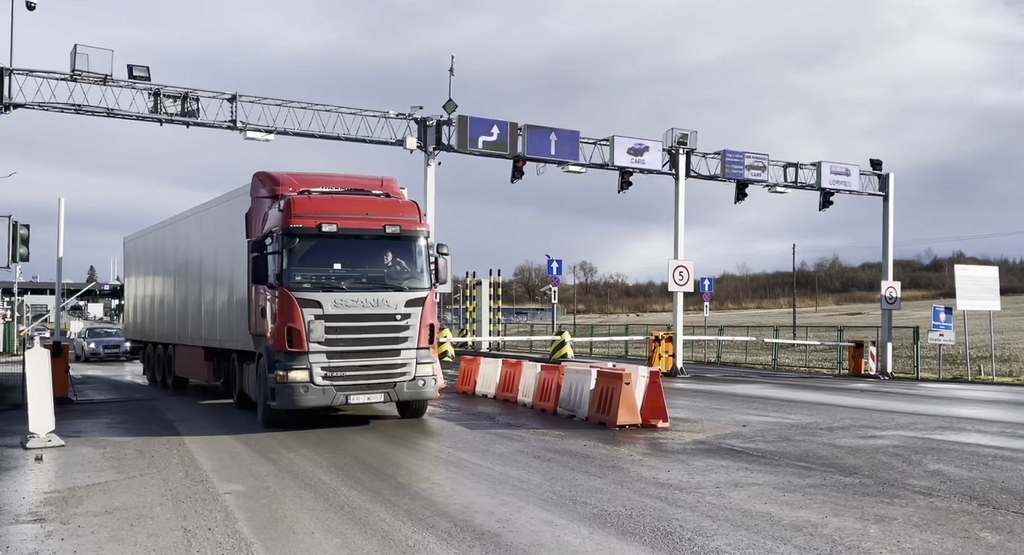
x=613 y=402
x=469 y=369
x=654 y=412
x=508 y=385
x=549 y=387
x=60 y=369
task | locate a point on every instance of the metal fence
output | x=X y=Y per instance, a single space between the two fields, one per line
x=12 y=382
x=827 y=359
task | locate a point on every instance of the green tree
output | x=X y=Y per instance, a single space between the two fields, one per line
x=91 y=277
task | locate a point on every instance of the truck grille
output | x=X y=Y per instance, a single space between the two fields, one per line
x=365 y=348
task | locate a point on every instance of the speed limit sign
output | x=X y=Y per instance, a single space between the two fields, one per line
x=680 y=276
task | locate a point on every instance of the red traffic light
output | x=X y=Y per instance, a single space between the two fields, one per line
x=519 y=162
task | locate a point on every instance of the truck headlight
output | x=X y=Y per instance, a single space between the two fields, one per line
x=300 y=375
x=316 y=332
x=424 y=362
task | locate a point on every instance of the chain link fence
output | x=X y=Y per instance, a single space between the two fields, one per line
x=12 y=381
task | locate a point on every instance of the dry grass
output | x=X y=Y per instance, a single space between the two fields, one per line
x=859 y=321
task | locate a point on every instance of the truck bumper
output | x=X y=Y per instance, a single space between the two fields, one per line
x=294 y=396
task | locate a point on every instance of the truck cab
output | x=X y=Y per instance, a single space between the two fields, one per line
x=342 y=310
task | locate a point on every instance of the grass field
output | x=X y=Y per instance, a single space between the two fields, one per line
x=1009 y=333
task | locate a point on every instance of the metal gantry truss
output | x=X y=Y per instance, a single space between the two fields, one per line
x=101 y=96
x=68 y=93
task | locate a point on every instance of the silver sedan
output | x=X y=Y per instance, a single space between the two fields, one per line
x=101 y=342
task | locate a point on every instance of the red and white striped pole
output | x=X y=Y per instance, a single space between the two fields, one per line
x=872 y=358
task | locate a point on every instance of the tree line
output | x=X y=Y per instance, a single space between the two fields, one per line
x=826 y=281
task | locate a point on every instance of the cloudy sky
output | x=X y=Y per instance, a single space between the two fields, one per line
x=932 y=87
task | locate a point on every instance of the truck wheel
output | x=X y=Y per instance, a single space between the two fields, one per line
x=174 y=381
x=147 y=365
x=412 y=409
x=266 y=414
x=238 y=396
x=158 y=366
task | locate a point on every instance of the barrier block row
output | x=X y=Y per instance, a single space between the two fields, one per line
x=608 y=394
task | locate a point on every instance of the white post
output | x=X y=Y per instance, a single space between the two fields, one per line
x=429 y=192
x=58 y=335
x=888 y=222
x=682 y=163
x=14 y=309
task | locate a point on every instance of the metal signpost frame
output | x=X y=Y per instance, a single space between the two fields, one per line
x=111 y=97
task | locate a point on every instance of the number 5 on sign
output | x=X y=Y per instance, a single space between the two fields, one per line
x=680 y=276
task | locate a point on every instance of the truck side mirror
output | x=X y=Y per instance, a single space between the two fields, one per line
x=258 y=273
x=442 y=249
x=440 y=270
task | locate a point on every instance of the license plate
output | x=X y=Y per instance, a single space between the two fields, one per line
x=110 y=348
x=369 y=398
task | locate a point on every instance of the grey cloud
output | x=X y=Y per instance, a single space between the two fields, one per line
x=925 y=86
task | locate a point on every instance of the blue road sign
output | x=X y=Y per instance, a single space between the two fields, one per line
x=707 y=297
x=551 y=143
x=707 y=285
x=942 y=318
x=554 y=266
x=487 y=135
x=555 y=281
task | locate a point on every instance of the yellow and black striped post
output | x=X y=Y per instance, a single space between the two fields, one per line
x=446 y=349
x=473 y=316
x=561 y=347
x=490 y=304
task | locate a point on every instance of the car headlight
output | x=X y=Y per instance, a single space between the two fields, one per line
x=127 y=344
x=92 y=344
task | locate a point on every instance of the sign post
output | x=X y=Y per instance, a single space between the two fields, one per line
x=977 y=288
x=942 y=332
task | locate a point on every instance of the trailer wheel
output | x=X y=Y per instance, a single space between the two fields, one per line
x=412 y=409
x=238 y=396
x=158 y=366
x=147 y=365
x=174 y=381
x=266 y=414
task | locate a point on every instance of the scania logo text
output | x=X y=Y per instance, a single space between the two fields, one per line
x=379 y=302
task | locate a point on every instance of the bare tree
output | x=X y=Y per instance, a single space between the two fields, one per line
x=587 y=272
x=529 y=278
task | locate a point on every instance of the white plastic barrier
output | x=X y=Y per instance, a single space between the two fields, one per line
x=528 y=383
x=487 y=379
x=578 y=384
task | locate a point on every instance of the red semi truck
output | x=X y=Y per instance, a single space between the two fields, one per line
x=296 y=291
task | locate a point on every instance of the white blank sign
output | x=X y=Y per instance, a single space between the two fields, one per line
x=977 y=287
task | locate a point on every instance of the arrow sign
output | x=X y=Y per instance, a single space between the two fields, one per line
x=490 y=138
x=707 y=285
x=551 y=143
x=554 y=266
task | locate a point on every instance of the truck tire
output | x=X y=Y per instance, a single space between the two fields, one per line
x=174 y=381
x=147 y=365
x=412 y=409
x=266 y=414
x=238 y=396
x=159 y=364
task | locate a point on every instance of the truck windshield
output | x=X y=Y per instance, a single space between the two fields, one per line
x=356 y=263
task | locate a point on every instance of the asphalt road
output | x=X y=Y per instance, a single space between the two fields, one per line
x=750 y=465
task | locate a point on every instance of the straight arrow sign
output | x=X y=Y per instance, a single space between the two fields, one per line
x=554 y=139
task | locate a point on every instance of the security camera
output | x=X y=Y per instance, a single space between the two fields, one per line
x=30 y=5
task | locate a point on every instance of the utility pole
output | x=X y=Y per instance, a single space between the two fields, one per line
x=794 y=291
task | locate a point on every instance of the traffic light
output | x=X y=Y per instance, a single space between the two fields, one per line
x=20 y=235
x=518 y=163
x=624 y=180
x=741 y=193
x=825 y=200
